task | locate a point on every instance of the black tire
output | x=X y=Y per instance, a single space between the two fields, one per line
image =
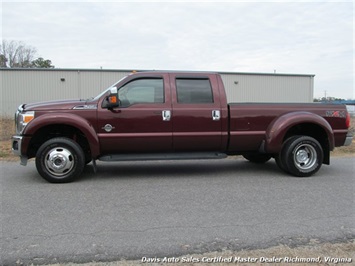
x=257 y=157
x=280 y=164
x=302 y=156
x=280 y=158
x=60 y=160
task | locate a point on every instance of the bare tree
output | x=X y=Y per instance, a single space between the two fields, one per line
x=25 y=56
x=16 y=54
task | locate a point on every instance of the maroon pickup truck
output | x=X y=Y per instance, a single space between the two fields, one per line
x=175 y=115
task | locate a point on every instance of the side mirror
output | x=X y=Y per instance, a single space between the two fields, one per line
x=112 y=100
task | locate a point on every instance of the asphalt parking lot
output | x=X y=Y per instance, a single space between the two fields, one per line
x=167 y=208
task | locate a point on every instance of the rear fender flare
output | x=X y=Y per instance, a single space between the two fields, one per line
x=66 y=119
x=278 y=129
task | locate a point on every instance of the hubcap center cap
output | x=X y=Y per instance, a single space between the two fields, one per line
x=302 y=156
x=58 y=162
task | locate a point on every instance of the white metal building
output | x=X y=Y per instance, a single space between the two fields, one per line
x=35 y=85
x=258 y=87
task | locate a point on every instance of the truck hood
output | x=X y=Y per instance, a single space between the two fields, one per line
x=56 y=105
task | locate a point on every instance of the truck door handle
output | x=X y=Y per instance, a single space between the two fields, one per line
x=166 y=114
x=216 y=115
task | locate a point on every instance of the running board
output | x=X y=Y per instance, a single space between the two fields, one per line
x=162 y=156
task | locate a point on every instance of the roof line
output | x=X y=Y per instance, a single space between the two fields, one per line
x=153 y=70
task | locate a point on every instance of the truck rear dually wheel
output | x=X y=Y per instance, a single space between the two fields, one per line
x=302 y=156
x=280 y=158
x=60 y=160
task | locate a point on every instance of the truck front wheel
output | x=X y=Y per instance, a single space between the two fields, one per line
x=302 y=156
x=60 y=160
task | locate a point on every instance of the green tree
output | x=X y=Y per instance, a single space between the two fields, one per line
x=3 y=60
x=41 y=63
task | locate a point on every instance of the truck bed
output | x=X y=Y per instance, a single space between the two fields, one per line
x=248 y=122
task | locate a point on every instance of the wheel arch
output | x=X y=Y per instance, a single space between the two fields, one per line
x=300 y=123
x=71 y=126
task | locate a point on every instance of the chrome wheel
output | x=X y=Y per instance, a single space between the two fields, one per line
x=301 y=156
x=305 y=157
x=59 y=161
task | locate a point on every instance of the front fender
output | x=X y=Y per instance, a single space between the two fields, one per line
x=66 y=119
x=278 y=129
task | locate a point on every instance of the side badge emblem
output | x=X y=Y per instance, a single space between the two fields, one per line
x=108 y=128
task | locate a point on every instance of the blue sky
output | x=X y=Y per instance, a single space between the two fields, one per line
x=303 y=37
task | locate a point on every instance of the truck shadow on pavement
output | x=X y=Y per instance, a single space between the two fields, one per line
x=181 y=169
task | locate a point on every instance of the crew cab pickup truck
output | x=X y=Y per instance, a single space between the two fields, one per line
x=175 y=115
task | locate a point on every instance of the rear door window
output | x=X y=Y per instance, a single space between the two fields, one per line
x=194 y=90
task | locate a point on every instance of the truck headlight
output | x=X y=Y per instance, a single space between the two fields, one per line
x=22 y=119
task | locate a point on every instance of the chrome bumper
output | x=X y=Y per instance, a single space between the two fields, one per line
x=348 y=140
x=16 y=148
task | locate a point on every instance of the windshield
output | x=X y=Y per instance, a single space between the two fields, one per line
x=105 y=91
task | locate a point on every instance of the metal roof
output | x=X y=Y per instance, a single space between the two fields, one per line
x=155 y=70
